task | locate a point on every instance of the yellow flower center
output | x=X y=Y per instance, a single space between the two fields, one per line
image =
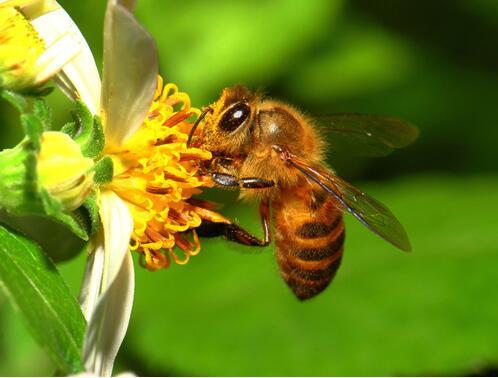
x=156 y=174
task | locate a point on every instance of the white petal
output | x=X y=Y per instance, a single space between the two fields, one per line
x=56 y=56
x=80 y=77
x=35 y=8
x=118 y=225
x=92 y=280
x=129 y=4
x=130 y=74
x=108 y=324
x=108 y=287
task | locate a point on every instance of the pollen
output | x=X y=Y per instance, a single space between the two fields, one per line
x=156 y=174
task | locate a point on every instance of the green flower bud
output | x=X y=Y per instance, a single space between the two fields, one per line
x=61 y=171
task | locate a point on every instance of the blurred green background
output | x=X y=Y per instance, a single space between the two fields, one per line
x=431 y=312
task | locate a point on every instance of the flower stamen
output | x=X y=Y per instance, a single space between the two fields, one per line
x=157 y=174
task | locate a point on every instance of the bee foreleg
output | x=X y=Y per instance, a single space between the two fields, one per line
x=224 y=179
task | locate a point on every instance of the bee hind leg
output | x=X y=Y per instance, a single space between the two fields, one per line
x=237 y=234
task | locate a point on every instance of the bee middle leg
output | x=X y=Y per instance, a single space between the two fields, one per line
x=225 y=179
x=222 y=171
x=236 y=233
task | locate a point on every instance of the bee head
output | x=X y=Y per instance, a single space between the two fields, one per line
x=227 y=127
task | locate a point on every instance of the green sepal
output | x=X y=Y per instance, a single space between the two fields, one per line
x=92 y=209
x=98 y=139
x=18 y=175
x=18 y=188
x=104 y=171
x=73 y=220
x=70 y=129
x=84 y=119
x=90 y=131
x=88 y=215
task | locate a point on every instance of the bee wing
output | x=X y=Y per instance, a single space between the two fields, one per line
x=374 y=215
x=366 y=135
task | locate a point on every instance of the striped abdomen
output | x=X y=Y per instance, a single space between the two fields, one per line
x=309 y=239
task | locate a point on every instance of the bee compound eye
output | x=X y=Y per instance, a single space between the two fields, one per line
x=235 y=116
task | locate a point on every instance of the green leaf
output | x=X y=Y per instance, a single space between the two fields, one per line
x=52 y=236
x=430 y=312
x=35 y=287
x=17 y=346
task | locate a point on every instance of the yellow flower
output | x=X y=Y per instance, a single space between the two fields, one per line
x=146 y=128
x=156 y=175
x=29 y=57
x=147 y=206
x=63 y=170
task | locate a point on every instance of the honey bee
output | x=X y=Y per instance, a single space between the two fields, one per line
x=275 y=155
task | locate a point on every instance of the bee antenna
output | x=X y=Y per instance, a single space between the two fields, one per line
x=198 y=120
